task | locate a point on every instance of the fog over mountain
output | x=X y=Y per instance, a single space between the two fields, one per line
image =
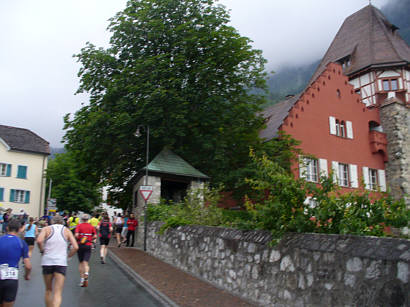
x=293 y=80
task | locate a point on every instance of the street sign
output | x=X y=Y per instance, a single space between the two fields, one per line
x=52 y=204
x=146 y=191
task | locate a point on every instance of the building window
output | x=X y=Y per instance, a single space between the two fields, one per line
x=342 y=129
x=343 y=175
x=5 y=170
x=309 y=169
x=22 y=172
x=390 y=85
x=373 y=184
x=19 y=196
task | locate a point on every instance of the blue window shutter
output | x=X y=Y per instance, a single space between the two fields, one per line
x=8 y=174
x=12 y=195
x=1 y=194
x=27 y=197
x=22 y=172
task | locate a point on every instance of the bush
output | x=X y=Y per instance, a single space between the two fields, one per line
x=281 y=206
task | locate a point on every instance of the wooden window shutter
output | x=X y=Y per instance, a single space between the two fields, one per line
x=323 y=167
x=8 y=173
x=335 y=169
x=354 y=179
x=302 y=167
x=349 y=129
x=366 y=177
x=332 y=125
x=27 y=197
x=12 y=192
x=382 y=180
x=1 y=194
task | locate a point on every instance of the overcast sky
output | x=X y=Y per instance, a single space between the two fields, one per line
x=38 y=75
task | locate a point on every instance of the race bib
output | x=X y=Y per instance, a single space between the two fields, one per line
x=9 y=273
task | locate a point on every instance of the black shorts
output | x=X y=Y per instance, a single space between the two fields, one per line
x=8 y=290
x=29 y=241
x=84 y=253
x=51 y=269
x=118 y=229
x=104 y=241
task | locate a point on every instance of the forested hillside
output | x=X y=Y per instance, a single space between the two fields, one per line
x=293 y=80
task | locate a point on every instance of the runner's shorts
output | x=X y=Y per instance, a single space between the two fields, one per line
x=29 y=240
x=8 y=290
x=118 y=229
x=84 y=253
x=51 y=269
x=104 y=241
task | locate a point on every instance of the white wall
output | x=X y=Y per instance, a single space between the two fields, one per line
x=35 y=183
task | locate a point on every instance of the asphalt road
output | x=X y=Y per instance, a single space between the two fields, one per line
x=108 y=286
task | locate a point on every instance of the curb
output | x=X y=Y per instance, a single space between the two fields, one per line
x=135 y=277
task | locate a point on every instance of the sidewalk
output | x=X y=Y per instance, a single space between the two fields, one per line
x=171 y=286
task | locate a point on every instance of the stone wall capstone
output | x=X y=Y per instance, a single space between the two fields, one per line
x=302 y=270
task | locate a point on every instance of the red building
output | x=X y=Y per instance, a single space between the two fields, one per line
x=353 y=116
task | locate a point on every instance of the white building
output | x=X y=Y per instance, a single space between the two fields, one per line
x=23 y=161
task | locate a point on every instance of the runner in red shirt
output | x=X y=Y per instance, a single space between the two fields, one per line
x=85 y=234
x=132 y=224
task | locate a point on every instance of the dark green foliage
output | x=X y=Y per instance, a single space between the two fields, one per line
x=178 y=67
x=72 y=192
x=281 y=206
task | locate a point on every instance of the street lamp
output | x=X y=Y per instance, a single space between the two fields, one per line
x=138 y=134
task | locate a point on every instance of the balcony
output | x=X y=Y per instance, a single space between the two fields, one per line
x=378 y=142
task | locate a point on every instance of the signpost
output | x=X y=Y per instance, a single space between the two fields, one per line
x=145 y=191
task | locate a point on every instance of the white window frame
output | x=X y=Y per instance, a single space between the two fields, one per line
x=332 y=125
x=309 y=169
x=3 y=169
x=343 y=175
x=373 y=179
x=19 y=196
x=349 y=129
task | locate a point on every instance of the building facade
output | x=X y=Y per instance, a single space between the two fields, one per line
x=353 y=117
x=23 y=161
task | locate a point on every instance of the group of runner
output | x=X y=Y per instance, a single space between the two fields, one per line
x=53 y=242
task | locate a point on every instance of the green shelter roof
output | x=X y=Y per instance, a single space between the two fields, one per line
x=170 y=163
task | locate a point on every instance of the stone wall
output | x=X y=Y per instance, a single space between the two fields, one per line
x=395 y=119
x=302 y=270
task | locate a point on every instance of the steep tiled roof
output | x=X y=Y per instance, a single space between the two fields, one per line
x=23 y=140
x=167 y=162
x=274 y=116
x=370 y=40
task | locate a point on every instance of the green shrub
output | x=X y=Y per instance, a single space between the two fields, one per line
x=281 y=207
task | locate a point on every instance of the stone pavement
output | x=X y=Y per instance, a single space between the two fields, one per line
x=171 y=285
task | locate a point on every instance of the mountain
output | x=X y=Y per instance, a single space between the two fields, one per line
x=293 y=80
x=54 y=151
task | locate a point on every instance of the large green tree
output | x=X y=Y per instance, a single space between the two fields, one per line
x=70 y=190
x=177 y=66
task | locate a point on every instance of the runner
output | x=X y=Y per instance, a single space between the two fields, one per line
x=12 y=248
x=31 y=232
x=85 y=235
x=119 y=223
x=6 y=217
x=105 y=230
x=94 y=222
x=132 y=225
x=52 y=243
x=124 y=229
x=73 y=222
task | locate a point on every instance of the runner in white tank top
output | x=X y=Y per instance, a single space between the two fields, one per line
x=52 y=242
x=55 y=247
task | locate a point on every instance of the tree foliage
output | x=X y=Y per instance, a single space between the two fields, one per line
x=72 y=193
x=178 y=67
